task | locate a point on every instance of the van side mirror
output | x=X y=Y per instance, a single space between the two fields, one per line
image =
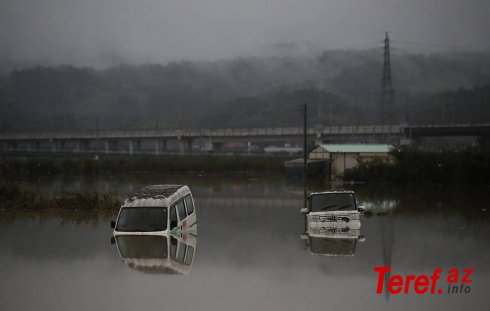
x=113 y=224
x=361 y=238
x=305 y=210
x=361 y=209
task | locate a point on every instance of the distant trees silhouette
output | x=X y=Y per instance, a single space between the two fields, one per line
x=341 y=87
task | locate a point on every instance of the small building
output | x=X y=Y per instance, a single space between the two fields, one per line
x=345 y=156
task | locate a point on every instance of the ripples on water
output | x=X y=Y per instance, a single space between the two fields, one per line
x=250 y=253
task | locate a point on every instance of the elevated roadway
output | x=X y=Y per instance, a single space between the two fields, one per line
x=181 y=140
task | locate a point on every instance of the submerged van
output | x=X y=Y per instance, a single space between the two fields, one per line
x=157 y=210
x=336 y=208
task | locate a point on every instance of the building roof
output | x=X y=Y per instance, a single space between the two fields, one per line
x=355 y=148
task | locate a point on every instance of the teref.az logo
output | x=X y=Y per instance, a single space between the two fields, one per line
x=458 y=282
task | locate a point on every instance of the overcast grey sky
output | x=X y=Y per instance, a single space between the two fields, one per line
x=106 y=32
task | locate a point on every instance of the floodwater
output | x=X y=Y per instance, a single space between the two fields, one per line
x=251 y=252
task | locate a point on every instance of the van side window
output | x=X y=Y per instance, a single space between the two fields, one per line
x=173 y=247
x=181 y=253
x=181 y=210
x=189 y=204
x=189 y=255
x=173 y=217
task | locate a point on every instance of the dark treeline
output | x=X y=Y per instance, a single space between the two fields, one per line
x=342 y=87
x=458 y=106
x=470 y=166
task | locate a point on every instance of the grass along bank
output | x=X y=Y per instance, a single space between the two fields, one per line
x=113 y=164
x=15 y=195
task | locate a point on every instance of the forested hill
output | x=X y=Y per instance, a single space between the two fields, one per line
x=342 y=87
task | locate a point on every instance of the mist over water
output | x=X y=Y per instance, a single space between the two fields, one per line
x=110 y=32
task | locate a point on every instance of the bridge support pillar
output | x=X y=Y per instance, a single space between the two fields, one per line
x=83 y=146
x=12 y=146
x=160 y=145
x=131 y=147
x=318 y=138
x=134 y=146
x=217 y=146
x=157 y=147
x=109 y=146
x=182 y=147
x=207 y=147
x=185 y=145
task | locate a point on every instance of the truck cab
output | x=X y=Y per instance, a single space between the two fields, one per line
x=335 y=208
x=332 y=223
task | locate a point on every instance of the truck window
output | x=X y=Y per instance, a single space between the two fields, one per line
x=189 y=204
x=332 y=202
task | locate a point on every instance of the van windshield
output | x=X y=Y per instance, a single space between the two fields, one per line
x=142 y=219
x=326 y=202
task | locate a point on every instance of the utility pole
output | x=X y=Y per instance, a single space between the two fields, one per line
x=305 y=144
x=386 y=112
x=304 y=141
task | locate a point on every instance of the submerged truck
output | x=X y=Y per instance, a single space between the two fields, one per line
x=336 y=208
x=332 y=223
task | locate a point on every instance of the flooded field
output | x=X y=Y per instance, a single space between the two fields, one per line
x=251 y=251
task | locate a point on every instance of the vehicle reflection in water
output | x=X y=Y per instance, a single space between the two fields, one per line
x=379 y=208
x=157 y=254
x=338 y=239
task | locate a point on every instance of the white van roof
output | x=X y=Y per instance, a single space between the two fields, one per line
x=333 y=192
x=156 y=195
